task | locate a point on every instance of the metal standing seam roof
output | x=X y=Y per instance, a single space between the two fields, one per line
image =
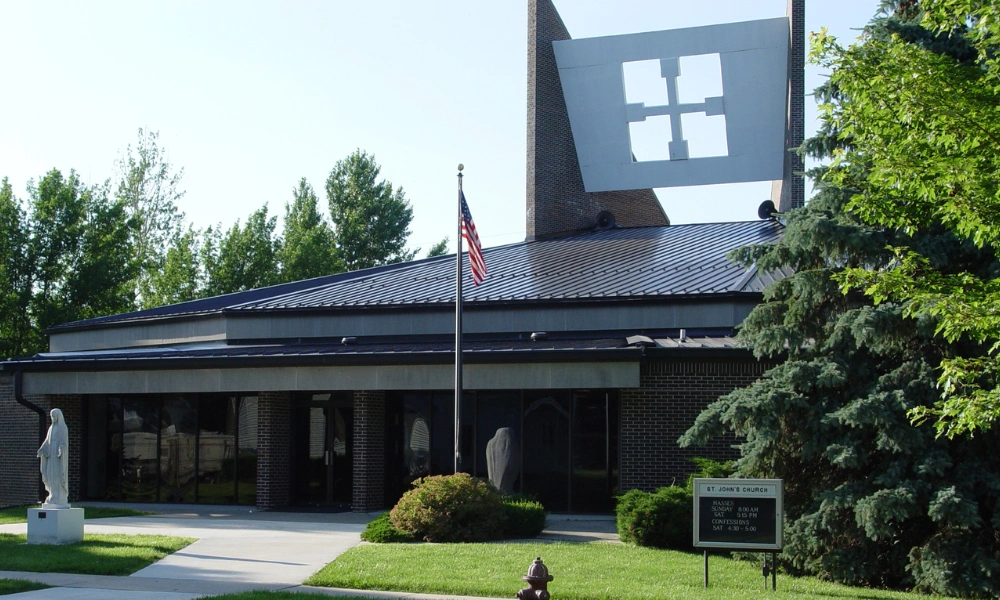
x=635 y=262
x=641 y=262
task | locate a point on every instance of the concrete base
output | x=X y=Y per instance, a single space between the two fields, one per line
x=55 y=525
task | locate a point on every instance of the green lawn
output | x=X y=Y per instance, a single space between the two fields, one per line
x=16 y=586
x=96 y=555
x=260 y=595
x=19 y=514
x=582 y=571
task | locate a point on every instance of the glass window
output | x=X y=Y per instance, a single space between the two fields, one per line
x=104 y=448
x=591 y=490
x=546 y=440
x=217 y=450
x=248 y=450
x=495 y=411
x=416 y=437
x=178 y=447
x=443 y=432
x=140 y=426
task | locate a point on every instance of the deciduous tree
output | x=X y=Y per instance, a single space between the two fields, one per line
x=870 y=498
x=181 y=278
x=244 y=258
x=439 y=249
x=15 y=275
x=150 y=188
x=920 y=107
x=307 y=249
x=371 y=219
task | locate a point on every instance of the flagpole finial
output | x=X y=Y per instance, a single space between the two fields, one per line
x=461 y=167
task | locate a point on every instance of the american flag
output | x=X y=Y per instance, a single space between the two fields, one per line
x=472 y=241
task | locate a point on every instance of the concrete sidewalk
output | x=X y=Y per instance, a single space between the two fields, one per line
x=239 y=550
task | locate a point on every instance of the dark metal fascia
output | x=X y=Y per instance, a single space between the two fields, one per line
x=415 y=358
x=193 y=316
x=653 y=352
x=229 y=312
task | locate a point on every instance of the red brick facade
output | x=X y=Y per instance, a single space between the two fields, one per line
x=20 y=480
x=556 y=200
x=655 y=415
x=369 y=451
x=273 y=449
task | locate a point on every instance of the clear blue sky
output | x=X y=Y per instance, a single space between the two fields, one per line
x=250 y=96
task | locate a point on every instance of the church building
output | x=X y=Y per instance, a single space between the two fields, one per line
x=597 y=340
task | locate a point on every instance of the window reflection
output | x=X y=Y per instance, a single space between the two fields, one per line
x=140 y=425
x=178 y=447
x=172 y=448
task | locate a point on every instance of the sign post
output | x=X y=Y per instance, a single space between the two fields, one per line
x=739 y=514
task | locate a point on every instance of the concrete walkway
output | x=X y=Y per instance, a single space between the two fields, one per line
x=239 y=549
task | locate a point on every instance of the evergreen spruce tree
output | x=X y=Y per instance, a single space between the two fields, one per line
x=870 y=499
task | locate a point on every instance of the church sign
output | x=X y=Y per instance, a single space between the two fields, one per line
x=738 y=514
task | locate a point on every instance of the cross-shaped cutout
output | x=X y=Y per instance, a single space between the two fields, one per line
x=670 y=70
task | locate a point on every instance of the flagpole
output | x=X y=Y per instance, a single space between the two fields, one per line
x=458 y=326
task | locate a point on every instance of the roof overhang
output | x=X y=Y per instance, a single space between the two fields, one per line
x=481 y=376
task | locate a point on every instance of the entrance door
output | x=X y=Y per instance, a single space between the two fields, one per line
x=322 y=450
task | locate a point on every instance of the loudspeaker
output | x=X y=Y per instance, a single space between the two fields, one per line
x=605 y=220
x=766 y=210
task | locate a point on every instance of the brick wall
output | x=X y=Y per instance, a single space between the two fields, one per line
x=556 y=200
x=19 y=476
x=72 y=409
x=273 y=448
x=671 y=395
x=19 y=467
x=369 y=451
x=791 y=191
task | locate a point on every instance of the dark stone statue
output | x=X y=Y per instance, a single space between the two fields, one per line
x=503 y=460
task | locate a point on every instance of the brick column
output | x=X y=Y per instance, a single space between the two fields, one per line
x=369 y=451
x=671 y=395
x=790 y=192
x=273 y=446
x=556 y=200
x=19 y=469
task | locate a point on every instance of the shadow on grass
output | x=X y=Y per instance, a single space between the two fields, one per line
x=16 y=586
x=95 y=555
x=19 y=514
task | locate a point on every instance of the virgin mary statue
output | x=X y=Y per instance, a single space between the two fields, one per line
x=55 y=462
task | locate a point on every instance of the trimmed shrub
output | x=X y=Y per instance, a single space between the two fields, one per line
x=662 y=519
x=451 y=508
x=709 y=469
x=525 y=517
x=381 y=531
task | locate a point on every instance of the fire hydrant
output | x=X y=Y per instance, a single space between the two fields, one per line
x=538 y=579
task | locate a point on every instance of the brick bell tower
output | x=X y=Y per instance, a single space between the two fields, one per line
x=556 y=201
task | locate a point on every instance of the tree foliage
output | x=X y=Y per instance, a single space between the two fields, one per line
x=244 y=258
x=69 y=251
x=870 y=498
x=15 y=275
x=80 y=263
x=180 y=279
x=150 y=189
x=308 y=249
x=438 y=249
x=371 y=219
x=923 y=118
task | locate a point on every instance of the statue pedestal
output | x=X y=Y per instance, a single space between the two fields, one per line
x=55 y=525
